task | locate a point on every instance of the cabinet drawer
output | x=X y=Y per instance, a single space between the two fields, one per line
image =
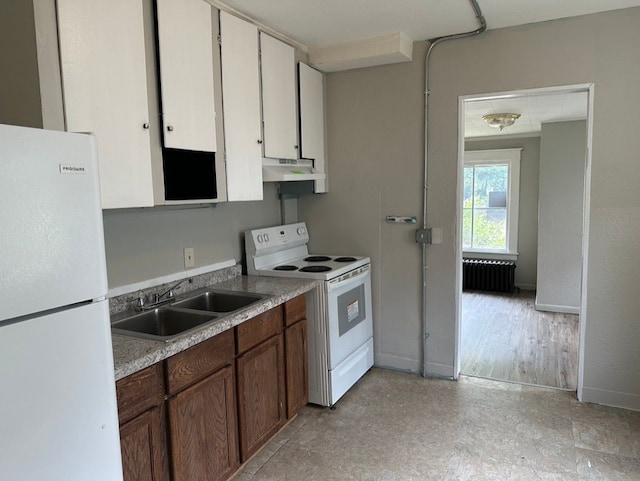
x=199 y=361
x=260 y=328
x=139 y=391
x=295 y=310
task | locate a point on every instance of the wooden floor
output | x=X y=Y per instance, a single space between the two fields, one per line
x=503 y=337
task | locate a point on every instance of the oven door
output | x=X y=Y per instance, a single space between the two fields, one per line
x=349 y=314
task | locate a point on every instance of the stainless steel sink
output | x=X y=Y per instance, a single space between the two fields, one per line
x=220 y=301
x=161 y=324
x=172 y=320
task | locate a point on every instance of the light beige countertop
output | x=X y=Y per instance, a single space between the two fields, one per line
x=132 y=354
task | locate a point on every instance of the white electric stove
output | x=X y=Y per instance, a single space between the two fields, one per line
x=340 y=333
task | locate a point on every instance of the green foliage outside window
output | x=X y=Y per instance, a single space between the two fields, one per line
x=485 y=206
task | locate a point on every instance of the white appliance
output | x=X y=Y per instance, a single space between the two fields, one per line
x=58 y=412
x=340 y=333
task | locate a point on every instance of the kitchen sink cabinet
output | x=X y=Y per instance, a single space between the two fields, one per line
x=202 y=421
x=142 y=442
x=296 y=352
x=103 y=68
x=202 y=410
x=279 y=113
x=261 y=380
x=241 y=98
x=142 y=428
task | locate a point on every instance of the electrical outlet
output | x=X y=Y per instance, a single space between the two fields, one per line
x=189 y=257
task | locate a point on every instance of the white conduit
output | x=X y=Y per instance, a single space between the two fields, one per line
x=432 y=43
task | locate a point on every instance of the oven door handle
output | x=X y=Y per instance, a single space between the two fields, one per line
x=351 y=280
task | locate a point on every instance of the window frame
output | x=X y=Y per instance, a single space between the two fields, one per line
x=512 y=158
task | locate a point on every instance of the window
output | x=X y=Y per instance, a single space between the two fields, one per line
x=490 y=201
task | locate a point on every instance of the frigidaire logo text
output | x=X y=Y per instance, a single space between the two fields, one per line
x=72 y=169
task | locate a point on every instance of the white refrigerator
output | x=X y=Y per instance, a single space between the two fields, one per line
x=58 y=412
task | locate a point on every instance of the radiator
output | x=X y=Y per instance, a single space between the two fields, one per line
x=488 y=275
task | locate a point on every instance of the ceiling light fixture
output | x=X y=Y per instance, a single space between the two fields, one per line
x=500 y=121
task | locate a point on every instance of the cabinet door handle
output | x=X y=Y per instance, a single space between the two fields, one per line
x=295 y=147
x=170 y=128
x=259 y=141
x=145 y=126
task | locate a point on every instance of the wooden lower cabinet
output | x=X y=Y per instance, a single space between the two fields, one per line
x=142 y=427
x=142 y=441
x=205 y=410
x=295 y=346
x=261 y=394
x=203 y=429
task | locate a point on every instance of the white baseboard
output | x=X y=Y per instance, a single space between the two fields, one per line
x=561 y=309
x=397 y=363
x=611 y=398
x=439 y=370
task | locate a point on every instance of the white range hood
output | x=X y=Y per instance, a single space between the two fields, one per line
x=282 y=170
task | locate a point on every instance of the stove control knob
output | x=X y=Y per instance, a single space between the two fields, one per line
x=260 y=239
x=266 y=237
x=300 y=231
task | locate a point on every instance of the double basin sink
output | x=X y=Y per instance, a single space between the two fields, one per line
x=181 y=316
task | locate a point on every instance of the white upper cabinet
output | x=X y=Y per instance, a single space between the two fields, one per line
x=278 y=98
x=102 y=56
x=186 y=74
x=312 y=120
x=241 y=99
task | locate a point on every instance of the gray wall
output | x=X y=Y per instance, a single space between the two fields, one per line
x=562 y=164
x=20 y=90
x=526 y=265
x=375 y=140
x=143 y=244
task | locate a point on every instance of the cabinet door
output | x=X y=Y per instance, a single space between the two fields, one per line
x=102 y=57
x=261 y=394
x=295 y=338
x=278 y=98
x=143 y=445
x=204 y=436
x=186 y=74
x=241 y=99
x=312 y=120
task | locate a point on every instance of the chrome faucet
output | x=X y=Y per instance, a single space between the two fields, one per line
x=158 y=299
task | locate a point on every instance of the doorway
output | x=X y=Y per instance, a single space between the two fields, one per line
x=528 y=336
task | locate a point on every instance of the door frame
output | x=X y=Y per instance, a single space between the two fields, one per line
x=583 y=315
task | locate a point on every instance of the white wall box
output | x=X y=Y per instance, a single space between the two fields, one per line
x=279 y=113
x=312 y=145
x=241 y=99
x=185 y=49
x=102 y=57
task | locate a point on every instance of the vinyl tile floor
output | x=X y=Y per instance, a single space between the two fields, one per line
x=396 y=426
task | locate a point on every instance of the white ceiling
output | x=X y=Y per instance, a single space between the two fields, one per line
x=317 y=23
x=534 y=110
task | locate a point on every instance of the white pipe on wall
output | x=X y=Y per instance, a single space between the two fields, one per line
x=432 y=43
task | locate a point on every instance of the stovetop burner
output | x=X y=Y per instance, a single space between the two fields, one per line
x=317 y=259
x=344 y=259
x=285 y=267
x=315 y=269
